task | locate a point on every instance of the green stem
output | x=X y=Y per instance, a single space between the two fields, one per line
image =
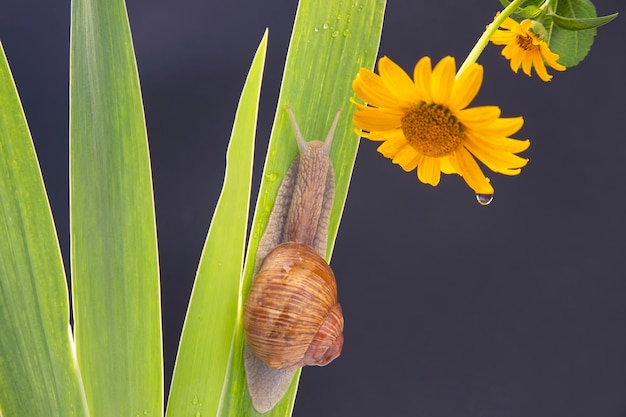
x=546 y=5
x=484 y=39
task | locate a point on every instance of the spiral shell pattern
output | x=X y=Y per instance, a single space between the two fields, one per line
x=292 y=317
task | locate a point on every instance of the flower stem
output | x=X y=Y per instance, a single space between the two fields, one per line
x=484 y=39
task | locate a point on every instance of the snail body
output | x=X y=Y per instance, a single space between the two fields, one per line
x=292 y=317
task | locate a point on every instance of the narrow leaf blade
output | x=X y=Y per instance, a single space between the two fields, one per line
x=115 y=278
x=206 y=339
x=581 y=24
x=38 y=371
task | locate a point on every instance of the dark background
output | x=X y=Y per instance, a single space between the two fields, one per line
x=452 y=309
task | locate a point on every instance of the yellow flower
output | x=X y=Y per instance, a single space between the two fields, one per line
x=526 y=48
x=425 y=124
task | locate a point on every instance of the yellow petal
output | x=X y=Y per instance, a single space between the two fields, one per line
x=358 y=105
x=374 y=118
x=428 y=171
x=478 y=117
x=509 y=50
x=384 y=135
x=392 y=146
x=524 y=26
x=516 y=58
x=412 y=164
x=527 y=63
x=455 y=164
x=502 y=37
x=442 y=80
x=509 y=24
x=406 y=157
x=397 y=81
x=504 y=126
x=421 y=77
x=471 y=172
x=446 y=165
x=371 y=89
x=499 y=143
x=540 y=68
x=551 y=58
x=497 y=161
x=466 y=87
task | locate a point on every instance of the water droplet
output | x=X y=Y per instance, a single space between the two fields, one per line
x=198 y=414
x=272 y=176
x=195 y=400
x=145 y=412
x=484 y=199
x=346 y=32
x=335 y=34
x=325 y=26
x=316 y=29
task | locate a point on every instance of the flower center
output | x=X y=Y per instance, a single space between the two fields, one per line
x=432 y=130
x=525 y=42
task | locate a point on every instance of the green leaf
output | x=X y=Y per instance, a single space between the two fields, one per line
x=346 y=35
x=115 y=277
x=526 y=10
x=208 y=332
x=572 y=46
x=530 y=11
x=38 y=372
x=580 y=24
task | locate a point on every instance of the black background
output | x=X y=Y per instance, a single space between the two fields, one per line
x=452 y=309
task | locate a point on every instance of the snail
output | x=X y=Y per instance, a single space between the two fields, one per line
x=292 y=317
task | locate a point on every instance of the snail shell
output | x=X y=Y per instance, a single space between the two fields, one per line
x=292 y=317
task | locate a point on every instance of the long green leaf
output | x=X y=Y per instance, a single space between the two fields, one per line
x=208 y=331
x=330 y=41
x=38 y=372
x=582 y=24
x=115 y=278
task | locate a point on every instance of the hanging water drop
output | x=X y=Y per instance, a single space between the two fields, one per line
x=484 y=199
